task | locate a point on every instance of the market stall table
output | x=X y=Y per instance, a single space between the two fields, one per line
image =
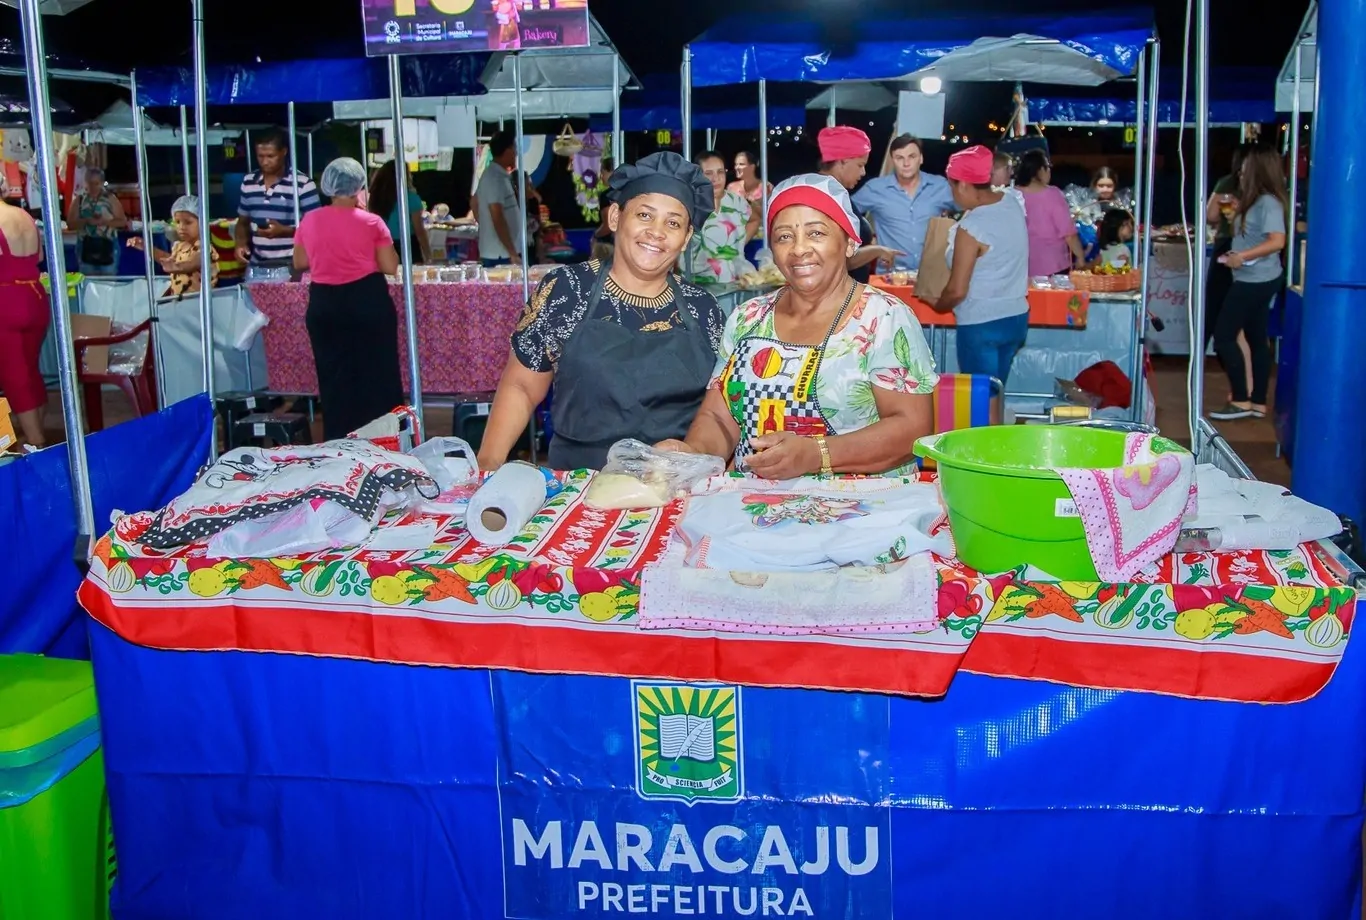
x=1068 y=332
x=480 y=788
x=464 y=330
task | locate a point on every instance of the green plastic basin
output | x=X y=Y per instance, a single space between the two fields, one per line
x=1006 y=507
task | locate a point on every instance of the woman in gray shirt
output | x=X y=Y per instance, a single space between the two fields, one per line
x=1255 y=260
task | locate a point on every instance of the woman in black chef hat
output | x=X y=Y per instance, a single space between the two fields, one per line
x=628 y=346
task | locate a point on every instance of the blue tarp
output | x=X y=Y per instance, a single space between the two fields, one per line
x=286 y=786
x=135 y=466
x=658 y=106
x=318 y=80
x=1237 y=95
x=746 y=49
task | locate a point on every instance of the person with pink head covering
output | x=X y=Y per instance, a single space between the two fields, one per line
x=988 y=257
x=826 y=374
x=844 y=158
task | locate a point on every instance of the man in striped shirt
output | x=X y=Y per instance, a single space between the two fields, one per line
x=265 y=214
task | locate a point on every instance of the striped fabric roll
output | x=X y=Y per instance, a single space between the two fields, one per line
x=964 y=401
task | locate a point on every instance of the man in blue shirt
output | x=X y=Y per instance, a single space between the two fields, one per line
x=900 y=205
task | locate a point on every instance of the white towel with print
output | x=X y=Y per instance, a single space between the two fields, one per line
x=811 y=525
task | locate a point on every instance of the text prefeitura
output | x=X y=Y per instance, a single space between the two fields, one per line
x=725 y=849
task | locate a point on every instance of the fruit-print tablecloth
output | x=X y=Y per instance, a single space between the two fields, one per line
x=563 y=598
x=463 y=334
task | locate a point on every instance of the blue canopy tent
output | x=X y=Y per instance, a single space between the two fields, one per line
x=1072 y=50
x=1069 y=50
x=656 y=107
x=323 y=80
x=1238 y=95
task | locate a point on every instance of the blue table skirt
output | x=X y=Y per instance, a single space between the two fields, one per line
x=277 y=786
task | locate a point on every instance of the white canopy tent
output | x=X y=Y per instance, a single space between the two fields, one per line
x=116 y=126
x=1301 y=67
x=556 y=82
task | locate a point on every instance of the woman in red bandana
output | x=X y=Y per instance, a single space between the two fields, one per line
x=989 y=269
x=826 y=375
x=844 y=158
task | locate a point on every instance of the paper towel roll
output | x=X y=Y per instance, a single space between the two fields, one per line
x=505 y=503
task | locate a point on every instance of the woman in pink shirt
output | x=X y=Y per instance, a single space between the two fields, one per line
x=1054 y=248
x=352 y=322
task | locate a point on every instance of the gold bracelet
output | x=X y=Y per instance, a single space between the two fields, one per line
x=826 y=469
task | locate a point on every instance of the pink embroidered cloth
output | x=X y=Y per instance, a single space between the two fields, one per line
x=463 y=333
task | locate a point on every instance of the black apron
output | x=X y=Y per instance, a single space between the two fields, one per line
x=613 y=383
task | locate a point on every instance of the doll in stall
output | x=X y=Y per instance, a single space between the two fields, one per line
x=16 y=165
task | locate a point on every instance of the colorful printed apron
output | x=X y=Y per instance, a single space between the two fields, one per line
x=770 y=385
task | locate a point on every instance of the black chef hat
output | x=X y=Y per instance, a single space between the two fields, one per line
x=665 y=173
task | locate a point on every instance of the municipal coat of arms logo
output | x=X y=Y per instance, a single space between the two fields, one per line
x=688 y=742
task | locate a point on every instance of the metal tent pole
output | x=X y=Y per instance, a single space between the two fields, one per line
x=686 y=114
x=763 y=154
x=145 y=205
x=293 y=165
x=1291 y=260
x=185 y=149
x=43 y=148
x=521 y=179
x=618 y=139
x=1138 y=394
x=251 y=151
x=687 y=102
x=405 y=241
x=309 y=148
x=364 y=156
x=1140 y=251
x=201 y=122
x=832 y=116
x=1201 y=266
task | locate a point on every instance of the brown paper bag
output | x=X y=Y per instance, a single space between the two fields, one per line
x=88 y=326
x=7 y=439
x=933 y=276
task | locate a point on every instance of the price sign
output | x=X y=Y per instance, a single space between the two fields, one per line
x=451 y=26
x=1130 y=137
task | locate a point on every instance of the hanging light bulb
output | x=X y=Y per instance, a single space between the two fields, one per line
x=931 y=85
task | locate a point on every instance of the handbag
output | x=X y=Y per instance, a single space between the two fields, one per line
x=97 y=250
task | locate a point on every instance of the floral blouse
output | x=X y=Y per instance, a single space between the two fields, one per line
x=882 y=345
x=720 y=244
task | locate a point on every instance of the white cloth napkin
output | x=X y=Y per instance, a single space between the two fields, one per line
x=1132 y=514
x=897 y=598
x=808 y=527
x=1257 y=515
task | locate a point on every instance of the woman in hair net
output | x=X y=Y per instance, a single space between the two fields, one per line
x=628 y=346
x=182 y=262
x=352 y=323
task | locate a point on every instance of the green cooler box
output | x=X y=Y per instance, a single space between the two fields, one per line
x=56 y=859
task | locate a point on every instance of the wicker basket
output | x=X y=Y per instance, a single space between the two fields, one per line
x=1106 y=284
x=567 y=144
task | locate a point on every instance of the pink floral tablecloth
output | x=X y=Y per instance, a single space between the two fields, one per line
x=462 y=331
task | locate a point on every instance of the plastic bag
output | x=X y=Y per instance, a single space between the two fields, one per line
x=637 y=475
x=450 y=461
x=309 y=527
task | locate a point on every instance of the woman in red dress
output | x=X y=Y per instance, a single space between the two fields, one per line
x=24 y=318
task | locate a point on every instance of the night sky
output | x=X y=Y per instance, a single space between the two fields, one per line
x=123 y=34
x=650 y=34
